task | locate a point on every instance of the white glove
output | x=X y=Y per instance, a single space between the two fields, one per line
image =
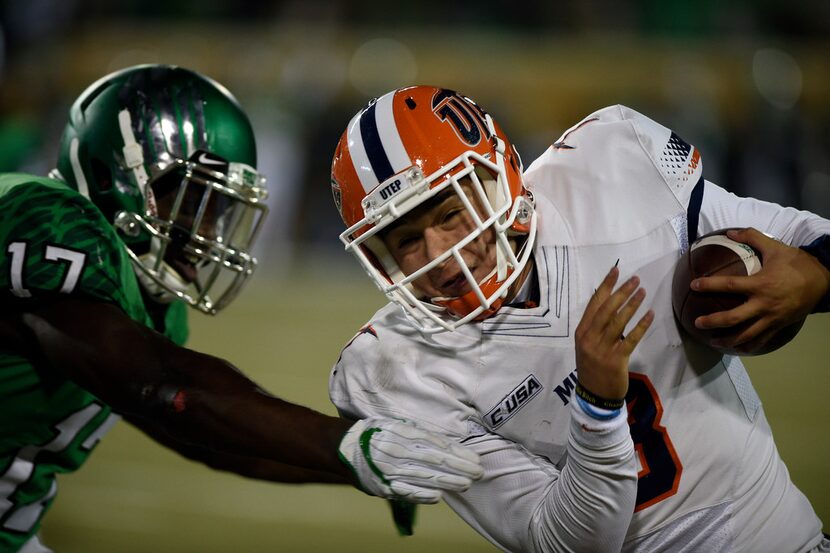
x=396 y=459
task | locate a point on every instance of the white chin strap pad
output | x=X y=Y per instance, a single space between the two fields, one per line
x=159 y=282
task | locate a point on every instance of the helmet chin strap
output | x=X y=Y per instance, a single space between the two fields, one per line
x=501 y=149
x=462 y=305
x=160 y=280
x=134 y=159
x=77 y=171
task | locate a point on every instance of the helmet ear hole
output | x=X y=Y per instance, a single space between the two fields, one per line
x=101 y=174
x=103 y=186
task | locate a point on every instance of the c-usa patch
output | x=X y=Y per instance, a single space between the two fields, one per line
x=512 y=402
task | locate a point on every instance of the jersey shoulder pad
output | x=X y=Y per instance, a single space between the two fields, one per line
x=352 y=371
x=366 y=358
x=55 y=241
x=679 y=163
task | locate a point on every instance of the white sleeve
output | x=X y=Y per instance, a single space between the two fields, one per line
x=721 y=209
x=523 y=503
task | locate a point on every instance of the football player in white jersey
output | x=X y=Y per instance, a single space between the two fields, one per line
x=530 y=318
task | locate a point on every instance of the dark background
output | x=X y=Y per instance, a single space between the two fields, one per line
x=747 y=82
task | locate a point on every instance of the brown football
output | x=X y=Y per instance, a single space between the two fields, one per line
x=717 y=254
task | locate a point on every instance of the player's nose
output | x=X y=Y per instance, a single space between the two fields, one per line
x=436 y=242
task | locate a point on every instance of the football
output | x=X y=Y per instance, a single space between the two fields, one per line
x=710 y=255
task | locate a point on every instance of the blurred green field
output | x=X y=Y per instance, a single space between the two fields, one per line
x=135 y=496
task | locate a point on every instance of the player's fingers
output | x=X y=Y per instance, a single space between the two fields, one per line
x=601 y=293
x=725 y=284
x=728 y=318
x=450 y=482
x=415 y=494
x=465 y=461
x=752 y=237
x=630 y=341
x=754 y=335
x=618 y=322
x=756 y=343
x=607 y=312
x=423 y=475
x=447 y=458
x=409 y=432
x=430 y=443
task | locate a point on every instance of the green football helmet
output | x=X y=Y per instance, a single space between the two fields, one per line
x=169 y=157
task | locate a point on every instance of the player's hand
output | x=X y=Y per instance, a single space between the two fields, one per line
x=786 y=289
x=396 y=459
x=602 y=352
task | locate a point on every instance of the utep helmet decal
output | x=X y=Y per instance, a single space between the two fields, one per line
x=466 y=118
x=408 y=146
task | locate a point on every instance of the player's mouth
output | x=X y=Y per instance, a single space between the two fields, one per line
x=455 y=286
x=188 y=271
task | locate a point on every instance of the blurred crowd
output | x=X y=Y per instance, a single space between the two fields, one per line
x=748 y=82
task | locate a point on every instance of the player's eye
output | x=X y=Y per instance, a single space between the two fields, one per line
x=406 y=242
x=452 y=217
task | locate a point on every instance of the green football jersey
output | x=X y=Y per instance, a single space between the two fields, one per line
x=54 y=241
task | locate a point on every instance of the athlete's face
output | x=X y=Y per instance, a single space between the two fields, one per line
x=431 y=229
x=167 y=190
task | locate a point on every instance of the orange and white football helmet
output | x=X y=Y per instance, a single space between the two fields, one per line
x=403 y=149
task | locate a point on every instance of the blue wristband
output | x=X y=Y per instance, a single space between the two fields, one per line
x=597 y=412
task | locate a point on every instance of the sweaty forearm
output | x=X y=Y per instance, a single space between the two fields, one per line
x=205 y=401
x=249 y=467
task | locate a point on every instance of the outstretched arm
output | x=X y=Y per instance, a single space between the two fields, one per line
x=206 y=409
x=249 y=467
x=196 y=398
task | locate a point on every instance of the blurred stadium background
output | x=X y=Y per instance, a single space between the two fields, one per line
x=748 y=82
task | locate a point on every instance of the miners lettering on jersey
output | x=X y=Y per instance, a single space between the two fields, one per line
x=565 y=390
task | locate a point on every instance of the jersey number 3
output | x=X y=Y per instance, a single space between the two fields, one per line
x=54 y=254
x=660 y=468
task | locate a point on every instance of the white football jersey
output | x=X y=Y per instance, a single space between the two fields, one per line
x=616 y=189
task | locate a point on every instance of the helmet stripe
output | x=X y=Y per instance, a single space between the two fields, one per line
x=152 y=122
x=196 y=102
x=169 y=127
x=358 y=154
x=389 y=136
x=187 y=131
x=373 y=145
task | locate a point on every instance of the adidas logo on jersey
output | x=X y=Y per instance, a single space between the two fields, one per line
x=512 y=402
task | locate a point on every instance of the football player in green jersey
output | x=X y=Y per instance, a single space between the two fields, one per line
x=154 y=206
